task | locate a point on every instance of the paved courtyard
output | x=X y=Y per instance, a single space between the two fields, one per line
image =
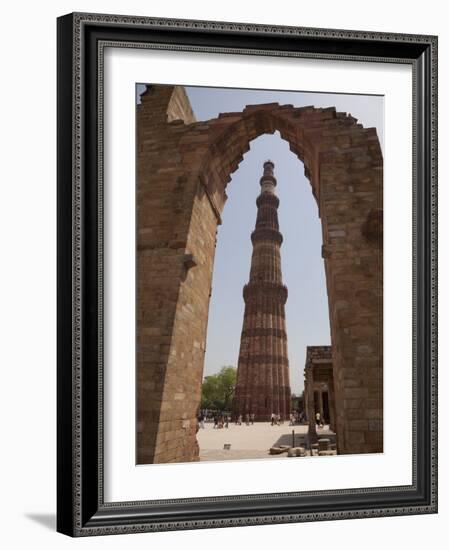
x=253 y=441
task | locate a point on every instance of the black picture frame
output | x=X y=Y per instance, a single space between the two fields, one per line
x=81 y=510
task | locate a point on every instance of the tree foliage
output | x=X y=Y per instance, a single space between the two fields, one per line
x=217 y=391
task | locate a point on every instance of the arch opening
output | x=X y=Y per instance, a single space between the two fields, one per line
x=307 y=310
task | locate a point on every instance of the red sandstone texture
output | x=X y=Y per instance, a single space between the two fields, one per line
x=183 y=167
x=263 y=386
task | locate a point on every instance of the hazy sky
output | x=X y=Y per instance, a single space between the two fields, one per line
x=307 y=315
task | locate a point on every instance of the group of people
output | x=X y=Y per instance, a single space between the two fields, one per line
x=223 y=419
x=276 y=419
x=249 y=419
x=220 y=419
x=297 y=417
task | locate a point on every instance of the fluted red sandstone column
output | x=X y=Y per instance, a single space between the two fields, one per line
x=263 y=385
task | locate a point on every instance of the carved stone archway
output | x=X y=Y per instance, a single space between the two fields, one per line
x=183 y=169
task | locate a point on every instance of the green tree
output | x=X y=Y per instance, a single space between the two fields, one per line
x=218 y=389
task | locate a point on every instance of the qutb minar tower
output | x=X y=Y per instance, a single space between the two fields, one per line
x=263 y=385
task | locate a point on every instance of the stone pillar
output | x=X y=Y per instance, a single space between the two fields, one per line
x=352 y=250
x=320 y=404
x=310 y=404
x=176 y=228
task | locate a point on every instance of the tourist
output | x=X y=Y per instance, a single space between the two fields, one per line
x=273 y=417
x=247 y=419
x=201 y=420
x=240 y=420
x=319 y=421
x=253 y=416
x=292 y=420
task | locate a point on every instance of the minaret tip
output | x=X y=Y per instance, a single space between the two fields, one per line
x=268 y=181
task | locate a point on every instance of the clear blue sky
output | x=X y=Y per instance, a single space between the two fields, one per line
x=307 y=315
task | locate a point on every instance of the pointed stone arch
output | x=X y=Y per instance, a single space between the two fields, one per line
x=183 y=170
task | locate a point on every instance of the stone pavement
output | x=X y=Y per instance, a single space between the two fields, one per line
x=253 y=441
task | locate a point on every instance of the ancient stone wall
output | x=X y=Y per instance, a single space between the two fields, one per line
x=183 y=170
x=168 y=379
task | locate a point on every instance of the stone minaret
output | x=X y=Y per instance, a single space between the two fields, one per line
x=263 y=385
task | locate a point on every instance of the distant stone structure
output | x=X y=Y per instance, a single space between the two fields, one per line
x=183 y=168
x=263 y=384
x=319 y=391
x=297 y=402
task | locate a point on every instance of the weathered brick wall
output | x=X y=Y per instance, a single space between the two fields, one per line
x=166 y=416
x=183 y=170
x=351 y=182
